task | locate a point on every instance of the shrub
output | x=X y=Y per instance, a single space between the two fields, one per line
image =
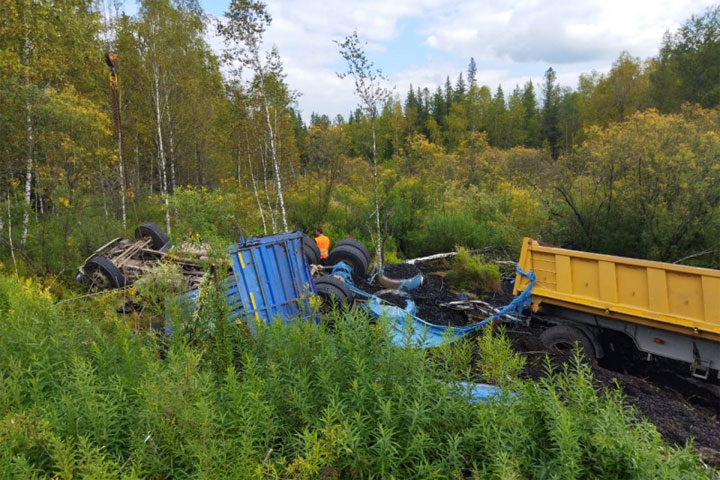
x=470 y=272
x=443 y=231
x=160 y=284
x=498 y=363
x=85 y=396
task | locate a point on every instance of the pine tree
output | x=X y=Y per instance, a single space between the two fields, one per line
x=551 y=112
x=472 y=73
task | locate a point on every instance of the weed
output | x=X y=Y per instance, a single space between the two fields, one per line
x=470 y=272
x=89 y=397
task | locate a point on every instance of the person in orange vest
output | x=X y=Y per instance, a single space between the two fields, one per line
x=323 y=244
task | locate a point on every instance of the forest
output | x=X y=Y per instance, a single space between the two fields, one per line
x=212 y=145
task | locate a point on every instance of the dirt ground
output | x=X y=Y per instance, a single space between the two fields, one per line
x=662 y=391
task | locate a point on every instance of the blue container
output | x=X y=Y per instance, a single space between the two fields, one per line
x=272 y=278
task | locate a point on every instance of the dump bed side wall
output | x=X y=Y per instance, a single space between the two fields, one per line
x=272 y=277
x=674 y=297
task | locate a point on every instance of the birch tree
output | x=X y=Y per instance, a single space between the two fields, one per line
x=243 y=32
x=372 y=95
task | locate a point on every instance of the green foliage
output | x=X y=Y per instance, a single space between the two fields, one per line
x=656 y=174
x=83 y=395
x=442 y=232
x=498 y=362
x=470 y=272
x=686 y=69
x=159 y=286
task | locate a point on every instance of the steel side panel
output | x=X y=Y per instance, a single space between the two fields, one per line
x=657 y=341
x=272 y=277
x=677 y=297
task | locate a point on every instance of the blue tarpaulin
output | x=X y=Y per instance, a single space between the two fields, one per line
x=411 y=331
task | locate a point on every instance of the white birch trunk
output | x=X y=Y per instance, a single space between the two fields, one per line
x=255 y=190
x=276 y=167
x=377 y=199
x=273 y=217
x=172 y=163
x=27 y=50
x=104 y=193
x=121 y=172
x=273 y=152
x=172 y=144
x=10 y=241
x=28 y=173
x=161 y=150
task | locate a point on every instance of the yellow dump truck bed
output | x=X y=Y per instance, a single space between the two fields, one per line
x=672 y=297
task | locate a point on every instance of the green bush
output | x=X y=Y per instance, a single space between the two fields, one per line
x=470 y=272
x=159 y=286
x=82 y=395
x=443 y=231
x=498 y=362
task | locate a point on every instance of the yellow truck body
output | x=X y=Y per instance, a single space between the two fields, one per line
x=675 y=298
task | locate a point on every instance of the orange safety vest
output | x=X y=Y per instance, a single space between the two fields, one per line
x=323 y=244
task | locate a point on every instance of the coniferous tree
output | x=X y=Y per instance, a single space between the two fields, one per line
x=551 y=112
x=472 y=73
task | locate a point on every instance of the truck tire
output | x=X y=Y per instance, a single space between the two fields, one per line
x=103 y=274
x=160 y=240
x=359 y=245
x=311 y=252
x=351 y=255
x=333 y=290
x=563 y=338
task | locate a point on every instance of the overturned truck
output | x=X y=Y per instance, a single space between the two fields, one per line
x=120 y=262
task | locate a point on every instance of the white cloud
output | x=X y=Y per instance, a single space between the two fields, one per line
x=511 y=40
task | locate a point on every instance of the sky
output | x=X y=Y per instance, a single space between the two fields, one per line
x=421 y=42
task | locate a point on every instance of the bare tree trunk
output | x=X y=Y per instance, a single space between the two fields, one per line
x=273 y=152
x=172 y=163
x=254 y=184
x=27 y=50
x=37 y=206
x=161 y=151
x=273 y=218
x=379 y=248
x=151 y=174
x=137 y=164
x=172 y=144
x=104 y=195
x=121 y=172
x=28 y=173
x=10 y=241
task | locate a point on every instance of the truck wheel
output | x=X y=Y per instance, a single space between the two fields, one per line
x=563 y=338
x=160 y=240
x=349 y=254
x=311 y=252
x=359 y=245
x=333 y=290
x=103 y=274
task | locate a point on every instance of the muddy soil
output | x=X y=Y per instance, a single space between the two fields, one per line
x=431 y=293
x=661 y=391
x=400 y=271
x=394 y=299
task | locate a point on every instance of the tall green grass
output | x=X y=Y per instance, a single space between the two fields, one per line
x=470 y=271
x=83 y=395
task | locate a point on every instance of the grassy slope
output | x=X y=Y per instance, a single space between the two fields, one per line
x=82 y=395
